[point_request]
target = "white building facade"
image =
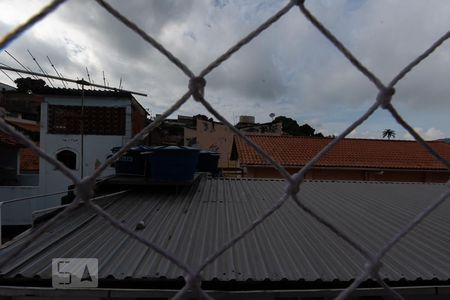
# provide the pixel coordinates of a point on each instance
(79, 129)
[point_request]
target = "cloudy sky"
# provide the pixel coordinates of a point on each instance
(289, 70)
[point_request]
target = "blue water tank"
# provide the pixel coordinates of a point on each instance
(208, 161)
(134, 162)
(173, 163)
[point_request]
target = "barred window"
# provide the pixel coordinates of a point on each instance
(63, 119)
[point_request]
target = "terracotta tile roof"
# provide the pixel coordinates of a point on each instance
(357, 153)
(29, 161)
(25, 126)
(7, 140)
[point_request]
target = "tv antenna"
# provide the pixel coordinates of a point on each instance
(82, 82)
(17, 61)
(40, 68)
(57, 73)
(8, 76)
(20, 75)
(104, 79)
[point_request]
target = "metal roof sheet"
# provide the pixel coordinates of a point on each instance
(193, 222)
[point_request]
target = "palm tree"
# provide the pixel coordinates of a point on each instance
(388, 133)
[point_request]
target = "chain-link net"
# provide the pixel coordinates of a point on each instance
(197, 83)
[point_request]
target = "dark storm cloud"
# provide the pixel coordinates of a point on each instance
(290, 69)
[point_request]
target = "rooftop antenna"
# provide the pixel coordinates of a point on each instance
(20, 75)
(71, 80)
(8, 76)
(104, 79)
(78, 79)
(35, 77)
(40, 68)
(57, 73)
(63, 79)
(120, 83)
(89, 76)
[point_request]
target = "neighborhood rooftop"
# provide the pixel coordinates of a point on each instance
(290, 246)
(353, 153)
(76, 92)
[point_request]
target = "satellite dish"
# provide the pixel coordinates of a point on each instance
(272, 115)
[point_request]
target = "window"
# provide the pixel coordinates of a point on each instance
(64, 119)
(68, 158)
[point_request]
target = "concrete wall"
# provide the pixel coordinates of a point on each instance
(363, 175)
(215, 137)
(96, 147)
(9, 157)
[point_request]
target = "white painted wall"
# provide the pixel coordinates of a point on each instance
(96, 147)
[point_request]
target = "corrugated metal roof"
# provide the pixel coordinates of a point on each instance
(76, 92)
(195, 221)
(87, 92)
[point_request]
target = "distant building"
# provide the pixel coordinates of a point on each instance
(212, 136)
(215, 136)
(171, 131)
(350, 159)
(247, 125)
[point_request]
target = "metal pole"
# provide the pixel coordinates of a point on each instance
(82, 130)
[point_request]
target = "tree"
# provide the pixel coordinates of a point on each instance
(291, 127)
(388, 133)
(29, 84)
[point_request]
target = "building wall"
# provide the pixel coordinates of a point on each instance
(96, 150)
(190, 137)
(139, 120)
(13, 186)
(364, 175)
(96, 147)
(9, 158)
(215, 137)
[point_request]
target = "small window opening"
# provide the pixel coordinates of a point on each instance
(68, 158)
